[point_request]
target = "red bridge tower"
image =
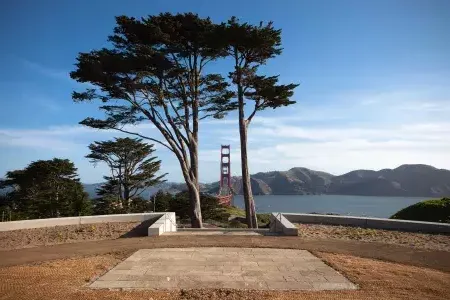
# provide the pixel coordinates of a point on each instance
(225, 192)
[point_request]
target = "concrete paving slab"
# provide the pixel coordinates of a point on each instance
(229, 268)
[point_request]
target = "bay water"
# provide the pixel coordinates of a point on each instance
(361, 206)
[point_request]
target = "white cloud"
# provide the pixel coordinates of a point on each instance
(372, 131)
(63, 137)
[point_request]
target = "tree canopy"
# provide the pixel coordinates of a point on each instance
(132, 168)
(156, 71)
(46, 188)
(249, 47)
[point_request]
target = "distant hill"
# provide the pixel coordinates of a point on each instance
(170, 187)
(406, 180)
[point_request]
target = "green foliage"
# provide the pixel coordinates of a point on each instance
(437, 210)
(162, 201)
(106, 205)
(45, 189)
(81, 202)
(180, 205)
(140, 205)
(236, 224)
(235, 211)
(251, 46)
(263, 220)
(132, 169)
(211, 209)
(157, 70)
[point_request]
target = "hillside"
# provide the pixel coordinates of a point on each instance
(406, 180)
(170, 187)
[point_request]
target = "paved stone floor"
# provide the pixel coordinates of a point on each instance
(233, 268)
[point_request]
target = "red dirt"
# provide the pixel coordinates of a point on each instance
(434, 259)
(67, 279)
(26, 238)
(409, 239)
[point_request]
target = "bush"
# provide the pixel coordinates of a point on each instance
(162, 201)
(429, 211)
(237, 224)
(211, 209)
(263, 220)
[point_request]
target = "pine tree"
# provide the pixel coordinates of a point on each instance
(46, 189)
(249, 47)
(132, 168)
(161, 201)
(156, 71)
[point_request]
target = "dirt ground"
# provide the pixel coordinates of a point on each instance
(434, 259)
(409, 239)
(26, 238)
(67, 279)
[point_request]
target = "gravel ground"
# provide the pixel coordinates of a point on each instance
(410, 239)
(26, 238)
(67, 279)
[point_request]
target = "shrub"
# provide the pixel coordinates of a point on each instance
(437, 210)
(237, 224)
(263, 220)
(211, 209)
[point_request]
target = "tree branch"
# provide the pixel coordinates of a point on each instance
(142, 136)
(257, 106)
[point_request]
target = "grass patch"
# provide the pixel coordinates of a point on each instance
(436, 210)
(234, 217)
(236, 211)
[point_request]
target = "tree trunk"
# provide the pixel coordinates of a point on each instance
(196, 212)
(246, 185)
(126, 199)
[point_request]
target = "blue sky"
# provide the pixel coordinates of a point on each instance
(374, 77)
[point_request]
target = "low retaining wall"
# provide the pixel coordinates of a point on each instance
(164, 222)
(282, 222)
(279, 224)
(257, 230)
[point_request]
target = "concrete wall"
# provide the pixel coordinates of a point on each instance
(375, 223)
(280, 224)
(164, 222)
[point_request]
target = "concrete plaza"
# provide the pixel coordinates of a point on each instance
(231, 268)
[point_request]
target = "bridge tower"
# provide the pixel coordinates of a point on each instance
(225, 192)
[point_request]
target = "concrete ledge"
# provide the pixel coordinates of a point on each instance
(164, 222)
(259, 230)
(279, 224)
(119, 218)
(375, 223)
(326, 219)
(38, 223)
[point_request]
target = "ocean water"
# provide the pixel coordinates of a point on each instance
(367, 206)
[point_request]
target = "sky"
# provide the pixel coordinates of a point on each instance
(374, 84)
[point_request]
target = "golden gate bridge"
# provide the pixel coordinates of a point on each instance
(225, 194)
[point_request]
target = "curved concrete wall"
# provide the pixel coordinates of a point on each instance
(282, 222)
(163, 222)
